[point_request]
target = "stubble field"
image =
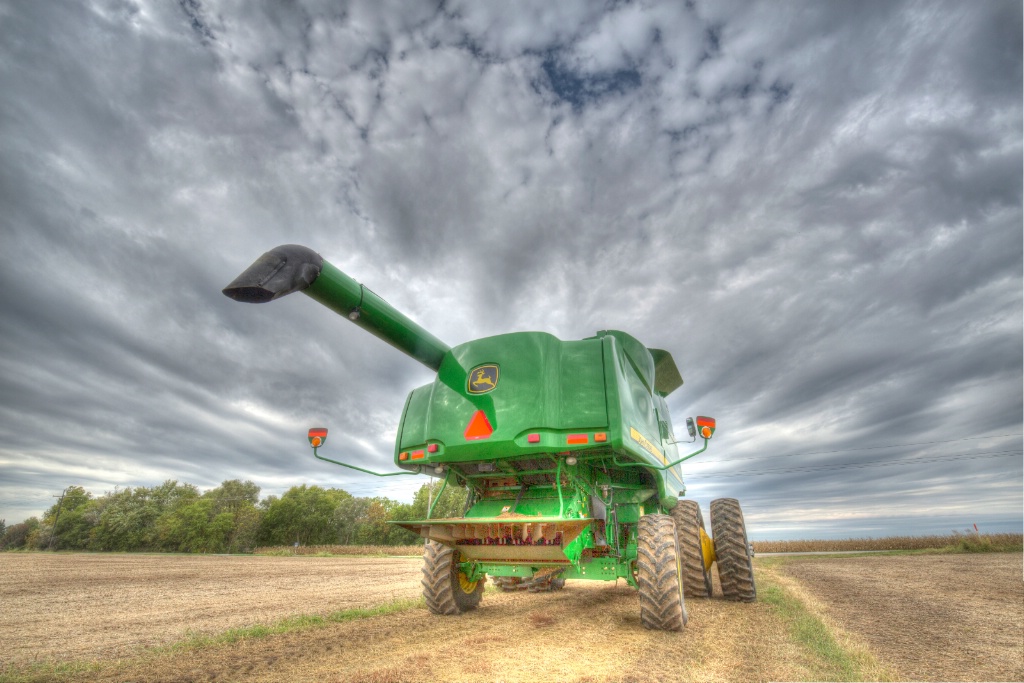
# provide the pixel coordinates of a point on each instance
(937, 617)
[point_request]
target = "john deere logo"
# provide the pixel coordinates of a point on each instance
(483, 379)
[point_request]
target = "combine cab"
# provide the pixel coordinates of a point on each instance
(565, 448)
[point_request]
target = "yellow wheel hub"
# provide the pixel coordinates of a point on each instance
(465, 584)
(707, 547)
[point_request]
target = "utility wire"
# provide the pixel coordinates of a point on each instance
(846, 466)
(861, 448)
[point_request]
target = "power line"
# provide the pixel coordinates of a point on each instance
(861, 448)
(852, 465)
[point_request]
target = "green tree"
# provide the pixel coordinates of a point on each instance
(451, 504)
(195, 526)
(304, 514)
(17, 536)
(245, 530)
(66, 526)
(128, 518)
(233, 495)
(349, 518)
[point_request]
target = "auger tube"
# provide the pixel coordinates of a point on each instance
(294, 268)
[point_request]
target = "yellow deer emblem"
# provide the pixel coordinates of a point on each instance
(483, 379)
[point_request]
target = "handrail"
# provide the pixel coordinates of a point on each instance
(656, 467)
(376, 474)
(430, 511)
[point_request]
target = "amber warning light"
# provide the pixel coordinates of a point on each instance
(705, 426)
(317, 436)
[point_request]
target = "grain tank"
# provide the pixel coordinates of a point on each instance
(566, 451)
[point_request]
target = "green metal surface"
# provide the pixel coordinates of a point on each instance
(562, 445)
(340, 293)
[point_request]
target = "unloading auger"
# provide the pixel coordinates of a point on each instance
(565, 448)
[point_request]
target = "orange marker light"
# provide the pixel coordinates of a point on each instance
(317, 436)
(705, 426)
(403, 456)
(479, 427)
(600, 437)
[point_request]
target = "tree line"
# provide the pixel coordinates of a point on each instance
(231, 518)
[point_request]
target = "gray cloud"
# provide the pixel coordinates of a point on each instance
(815, 207)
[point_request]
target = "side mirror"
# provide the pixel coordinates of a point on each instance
(690, 428)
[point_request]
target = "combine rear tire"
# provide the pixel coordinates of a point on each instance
(689, 523)
(735, 563)
(659, 574)
(446, 589)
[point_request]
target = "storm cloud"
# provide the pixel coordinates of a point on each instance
(815, 207)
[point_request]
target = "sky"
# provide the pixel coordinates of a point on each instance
(816, 207)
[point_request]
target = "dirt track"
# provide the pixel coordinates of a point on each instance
(97, 607)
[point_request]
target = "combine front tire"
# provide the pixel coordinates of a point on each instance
(446, 589)
(735, 563)
(659, 574)
(689, 525)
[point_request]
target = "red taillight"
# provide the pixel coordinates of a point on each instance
(533, 438)
(577, 439)
(432, 448)
(418, 455)
(479, 427)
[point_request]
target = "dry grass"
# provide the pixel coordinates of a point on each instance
(959, 542)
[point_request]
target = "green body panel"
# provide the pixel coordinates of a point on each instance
(571, 441)
(551, 388)
(545, 386)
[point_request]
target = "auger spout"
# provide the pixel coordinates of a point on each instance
(294, 268)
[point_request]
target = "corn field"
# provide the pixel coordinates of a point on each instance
(966, 542)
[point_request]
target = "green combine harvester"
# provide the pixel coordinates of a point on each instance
(565, 448)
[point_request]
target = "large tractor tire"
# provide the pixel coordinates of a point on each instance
(689, 524)
(659, 574)
(446, 589)
(732, 551)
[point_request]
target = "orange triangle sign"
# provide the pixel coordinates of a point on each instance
(478, 427)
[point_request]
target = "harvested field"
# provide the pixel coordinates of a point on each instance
(928, 617)
(102, 608)
(85, 606)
